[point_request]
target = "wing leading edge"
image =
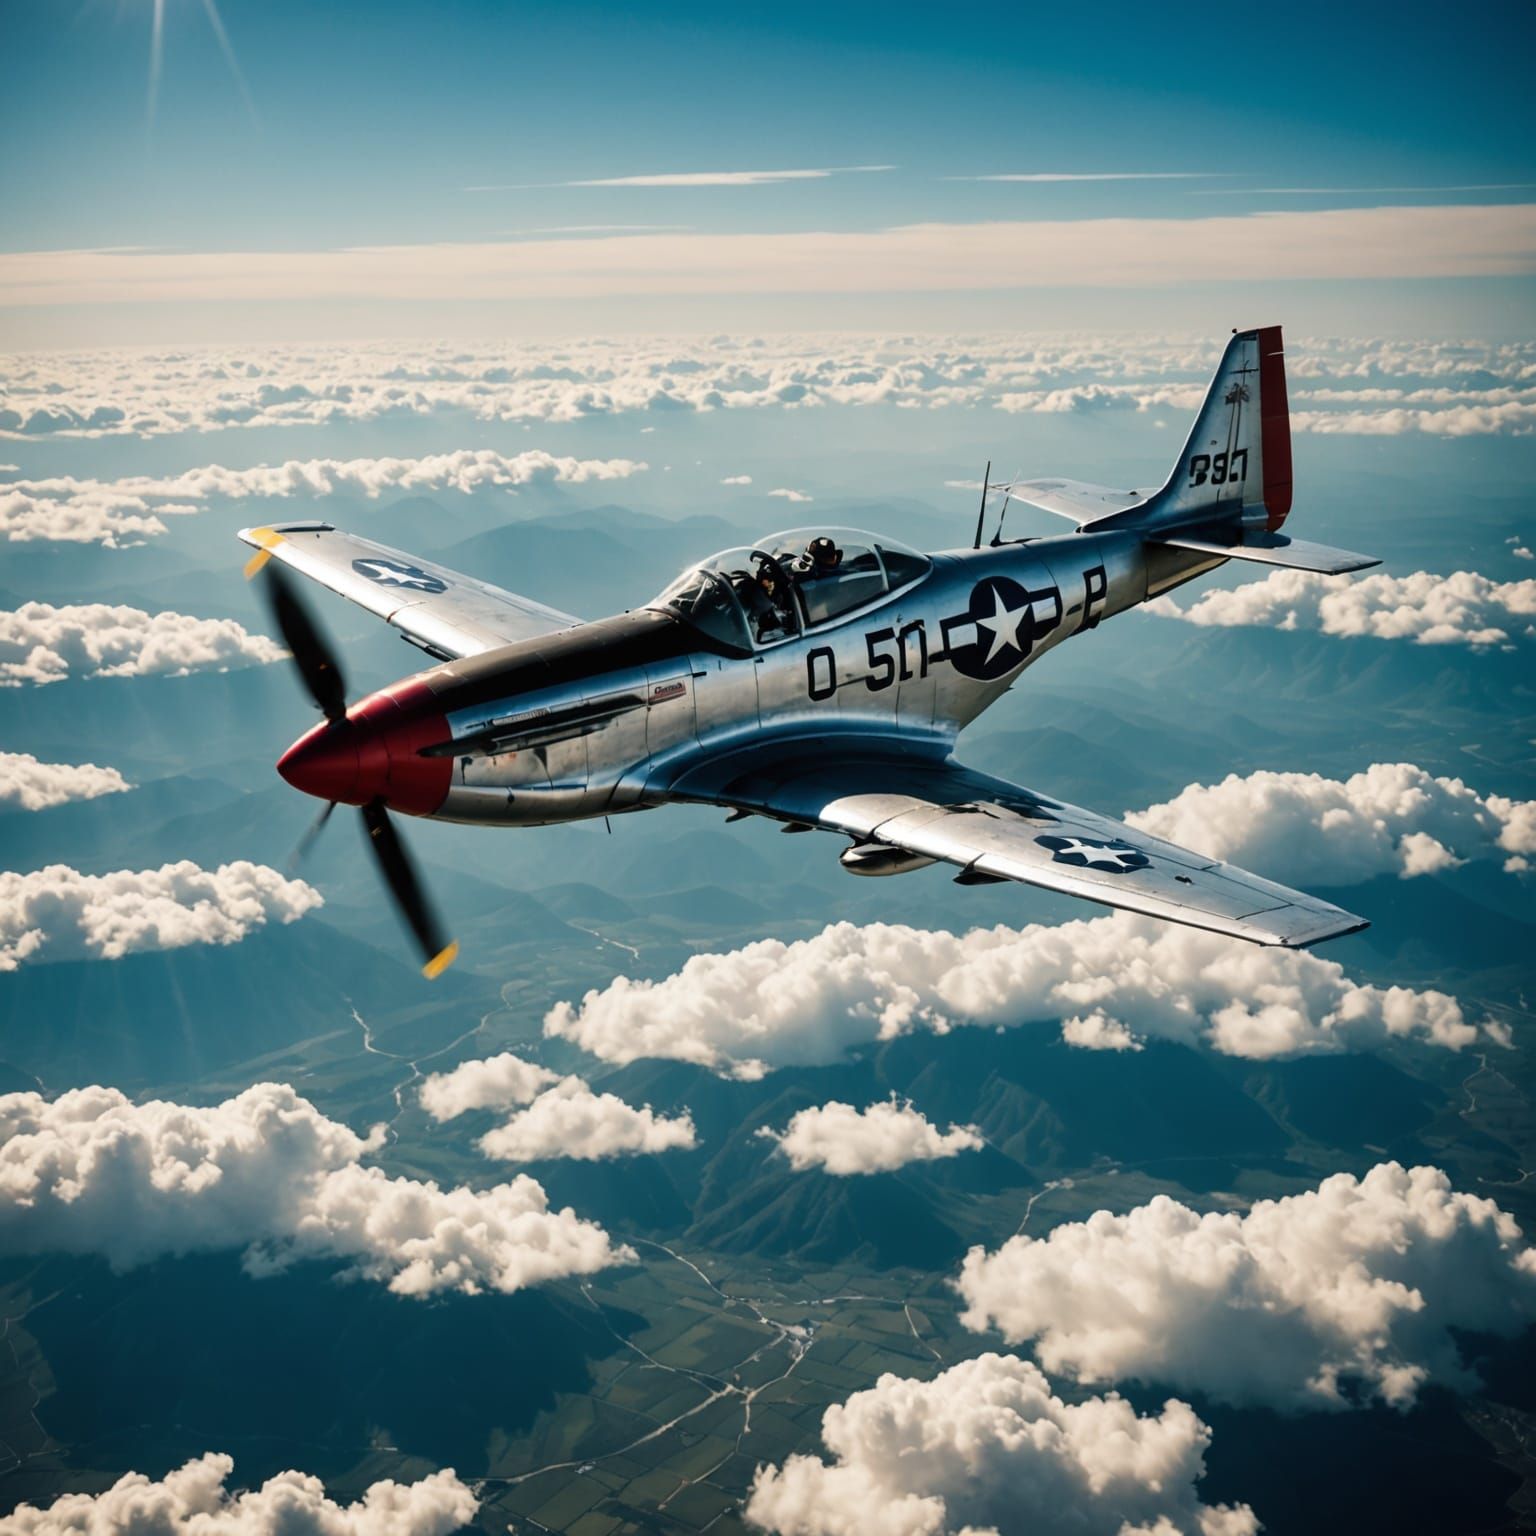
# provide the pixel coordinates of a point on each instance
(992, 829)
(446, 614)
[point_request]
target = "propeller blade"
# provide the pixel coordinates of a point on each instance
(312, 652)
(311, 835)
(438, 952)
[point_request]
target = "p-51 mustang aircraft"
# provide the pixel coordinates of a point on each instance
(819, 677)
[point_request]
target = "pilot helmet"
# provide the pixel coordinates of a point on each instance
(823, 551)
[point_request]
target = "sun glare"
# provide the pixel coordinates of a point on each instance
(157, 57)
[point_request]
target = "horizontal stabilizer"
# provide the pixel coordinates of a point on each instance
(1271, 549)
(1074, 499)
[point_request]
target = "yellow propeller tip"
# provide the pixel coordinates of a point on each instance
(440, 961)
(255, 563)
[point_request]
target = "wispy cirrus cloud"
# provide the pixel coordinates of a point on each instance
(1373, 244)
(1474, 186)
(1049, 176)
(697, 178)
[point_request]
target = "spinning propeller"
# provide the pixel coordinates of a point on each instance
(326, 762)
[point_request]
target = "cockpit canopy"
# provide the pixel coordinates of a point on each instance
(765, 593)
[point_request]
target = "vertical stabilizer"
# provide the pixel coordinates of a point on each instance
(1236, 464)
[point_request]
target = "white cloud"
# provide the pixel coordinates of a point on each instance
(569, 1120)
(1463, 608)
(1393, 818)
(1096, 1031)
(93, 1173)
(35, 786)
(1077, 398)
(128, 510)
(1460, 421)
(497, 1082)
(987, 1447)
(784, 494)
(206, 390)
(842, 1140)
(1375, 244)
(194, 1501)
(40, 643)
(1049, 176)
(59, 914)
(1347, 1292)
(563, 1117)
(725, 178)
(771, 1004)
(737, 480)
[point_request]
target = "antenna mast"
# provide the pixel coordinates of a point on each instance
(997, 538)
(981, 511)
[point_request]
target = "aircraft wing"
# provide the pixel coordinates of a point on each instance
(446, 614)
(994, 830)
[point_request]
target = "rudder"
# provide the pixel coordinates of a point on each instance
(1236, 463)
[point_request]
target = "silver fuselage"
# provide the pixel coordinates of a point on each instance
(608, 715)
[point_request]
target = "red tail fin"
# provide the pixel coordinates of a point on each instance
(1275, 413)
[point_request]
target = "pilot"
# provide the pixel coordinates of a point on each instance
(821, 558)
(766, 603)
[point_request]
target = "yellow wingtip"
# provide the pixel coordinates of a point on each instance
(440, 961)
(268, 539)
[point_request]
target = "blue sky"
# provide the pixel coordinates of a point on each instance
(364, 126)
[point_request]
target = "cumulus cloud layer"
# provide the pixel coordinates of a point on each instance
(563, 1118)
(59, 914)
(125, 511)
(1460, 609)
(1393, 818)
(772, 1004)
(29, 785)
(1339, 384)
(987, 1447)
(1348, 1291)
(40, 643)
(842, 1140)
(496, 1082)
(569, 1120)
(93, 1173)
(194, 1501)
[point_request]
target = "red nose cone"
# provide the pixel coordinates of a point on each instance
(324, 763)
(375, 753)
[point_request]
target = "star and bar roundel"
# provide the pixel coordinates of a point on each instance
(398, 573)
(999, 628)
(1109, 855)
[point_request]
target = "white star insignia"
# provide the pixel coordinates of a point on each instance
(1004, 625)
(1101, 857)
